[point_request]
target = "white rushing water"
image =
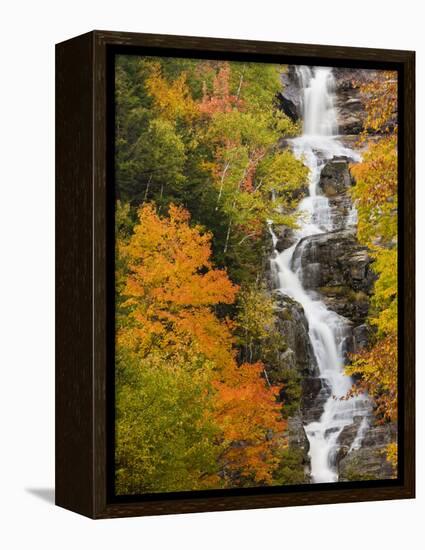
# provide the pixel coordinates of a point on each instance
(327, 330)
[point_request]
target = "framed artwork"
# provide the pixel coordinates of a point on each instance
(235, 274)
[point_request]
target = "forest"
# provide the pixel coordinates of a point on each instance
(206, 389)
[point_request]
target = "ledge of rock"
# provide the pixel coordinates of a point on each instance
(369, 462)
(339, 268)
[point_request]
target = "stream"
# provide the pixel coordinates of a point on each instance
(328, 331)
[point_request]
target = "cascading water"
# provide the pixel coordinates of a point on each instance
(327, 329)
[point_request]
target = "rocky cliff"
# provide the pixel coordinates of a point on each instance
(351, 114)
(336, 268)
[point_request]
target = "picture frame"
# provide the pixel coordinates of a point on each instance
(85, 287)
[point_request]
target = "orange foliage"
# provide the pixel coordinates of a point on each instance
(169, 291)
(221, 100)
(378, 369)
(171, 287)
(255, 157)
(250, 417)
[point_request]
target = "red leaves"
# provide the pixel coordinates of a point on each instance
(220, 101)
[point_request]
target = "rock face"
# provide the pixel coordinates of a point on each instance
(299, 357)
(339, 268)
(315, 393)
(369, 461)
(296, 436)
(351, 114)
(290, 98)
(292, 324)
(335, 183)
(297, 365)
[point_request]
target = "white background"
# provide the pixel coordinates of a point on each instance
(29, 30)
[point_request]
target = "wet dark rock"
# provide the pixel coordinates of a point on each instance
(289, 99)
(347, 437)
(296, 435)
(348, 433)
(351, 113)
(361, 336)
(289, 107)
(335, 177)
(380, 435)
(315, 393)
(341, 210)
(292, 324)
(339, 268)
(369, 461)
(285, 238)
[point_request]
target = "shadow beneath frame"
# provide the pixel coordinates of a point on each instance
(43, 493)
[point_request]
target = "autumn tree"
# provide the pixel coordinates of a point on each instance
(249, 415)
(166, 436)
(375, 194)
(252, 176)
(170, 340)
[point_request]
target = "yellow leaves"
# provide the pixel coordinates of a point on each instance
(255, 314)
(380, 98)
(392, 454)
(378, 370)
(375, 191)
(385, 291)
(172, 99)
(213, 336)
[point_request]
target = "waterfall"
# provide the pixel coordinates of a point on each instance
(327, 329)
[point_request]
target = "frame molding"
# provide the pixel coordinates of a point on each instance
(81, 266)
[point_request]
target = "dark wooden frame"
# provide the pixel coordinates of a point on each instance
(81, 268)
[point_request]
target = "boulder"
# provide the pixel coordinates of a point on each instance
(335, 177)
(285, 238)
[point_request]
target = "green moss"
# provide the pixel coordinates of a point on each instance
(334, 290)
(286, 315)
(291, 468)
(355, 473)
(359, 296)
(290, 392)
(344, 292)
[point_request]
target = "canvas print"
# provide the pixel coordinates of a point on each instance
(255, 274)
